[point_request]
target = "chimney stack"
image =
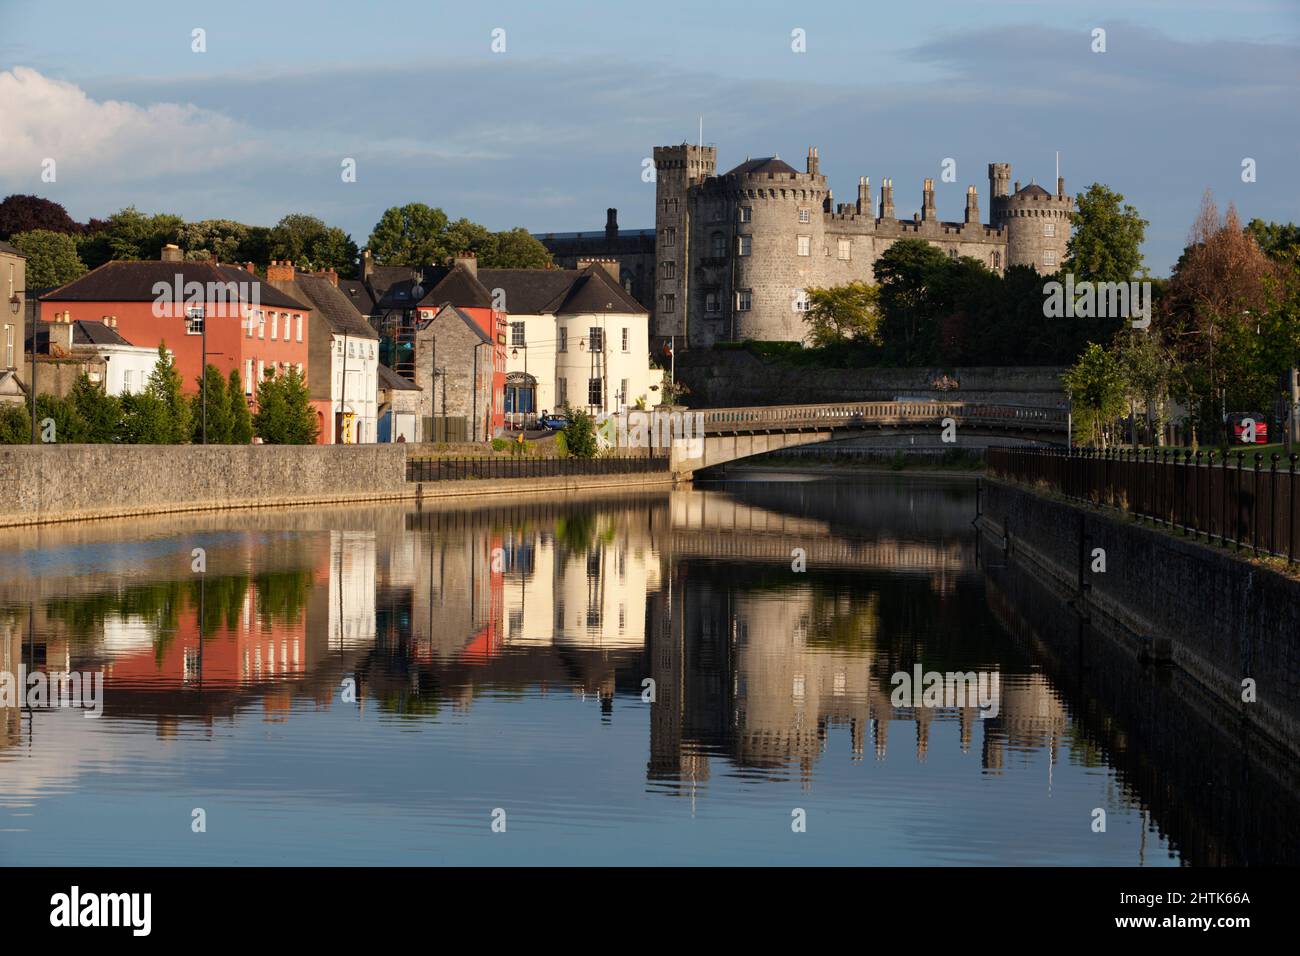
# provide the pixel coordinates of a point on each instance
(251, 267)
(972, 205)
(330, 275)
(886, 199)
(927, 201)
(611, 223)
(61, 335)
(171, 253)
(1060, 187)
(367, 265)
(279, 271)
(814, 162)
(609, 265)
(467, 259)
(864, 196)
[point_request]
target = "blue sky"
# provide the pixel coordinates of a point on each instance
(553, 130)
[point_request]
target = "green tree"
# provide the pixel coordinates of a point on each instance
(410, 235)
(284, 413)
(241, 419)
(15, 424)
(51, 257)
(219, 422)
(68, 427)
(165, 385)
(843, 312)
(580, 433)
(911, 277)
(514, 249)
(100, 413)
(1278, 241)
(129, 234)
(146, 420)
(217, 239)
(310, 243)
(1105, 239)
(1098, 390)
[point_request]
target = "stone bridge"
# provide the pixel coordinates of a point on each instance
(730, 434)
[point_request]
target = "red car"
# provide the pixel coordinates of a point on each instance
(1239, 423)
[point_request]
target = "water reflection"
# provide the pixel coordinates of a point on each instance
(475, 625)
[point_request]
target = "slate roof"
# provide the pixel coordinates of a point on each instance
(133, 281)
(84, 332)
(12, 250)
(333, 306)
(594, 291)
(1033, 189)
(529, 291)
(391, 380)
(456, 285)
(358, 294)
(447, 306)
(764, 164)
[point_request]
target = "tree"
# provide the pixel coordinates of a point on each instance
(165, 385)
(1148, 370)
(843, 312)
(218, 239)
(514, 249)
(1106, 238)
(241, 419)
(129, 234)
(51, 257)
(1277, 241)
(15, 424)
(219, 423)
(910, 274)
(100, 413)
(1097, 391)
(410, 235)
(22, 213)
(308, 242)
(580, 433)
(68, 428)
(146, 420)
(284, 413)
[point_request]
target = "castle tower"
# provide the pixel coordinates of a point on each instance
(1037, 222)
(677, 169)
(928, 213)
(886, 199)
(972, 205)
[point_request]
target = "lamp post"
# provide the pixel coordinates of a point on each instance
(196, 313)
(514, 353)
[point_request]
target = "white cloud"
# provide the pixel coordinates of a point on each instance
(109, 141)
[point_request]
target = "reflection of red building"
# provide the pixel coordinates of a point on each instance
(257, 649)
(486, 642)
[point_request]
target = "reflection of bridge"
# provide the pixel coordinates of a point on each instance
(733, 433)
(825, 552)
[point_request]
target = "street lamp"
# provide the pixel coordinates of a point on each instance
(192, 315)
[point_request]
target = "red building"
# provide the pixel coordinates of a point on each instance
(251, 326)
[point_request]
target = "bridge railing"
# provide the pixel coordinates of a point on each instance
(1222, 498)
(810, 416)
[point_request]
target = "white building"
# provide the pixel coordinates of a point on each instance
(576, 338)
(109, 359)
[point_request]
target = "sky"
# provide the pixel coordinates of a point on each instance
(552, 126)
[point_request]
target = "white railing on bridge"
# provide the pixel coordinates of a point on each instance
(780, 417)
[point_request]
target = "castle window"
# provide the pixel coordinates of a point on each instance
(805, 245)
(668, 305)
(845, 249)
(1049, 229)
(712, 302)
(1049, 259)
(997, 260)
(717, 245)
(743, 244)
(744, 299)
(800, 300)
(952, 253)
(805, 215)
(670, 269)
(670, 236)
(746, 213)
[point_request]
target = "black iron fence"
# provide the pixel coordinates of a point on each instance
(459, 469)
(1240, 499)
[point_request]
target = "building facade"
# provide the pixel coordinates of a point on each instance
(13, 283)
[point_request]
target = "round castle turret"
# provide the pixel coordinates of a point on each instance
(1036, 221)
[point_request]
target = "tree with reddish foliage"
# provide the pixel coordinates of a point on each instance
(19, 213)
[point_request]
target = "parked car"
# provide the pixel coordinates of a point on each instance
(1238, 422)
(553, 422)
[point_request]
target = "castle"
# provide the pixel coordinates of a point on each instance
(734, 254)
